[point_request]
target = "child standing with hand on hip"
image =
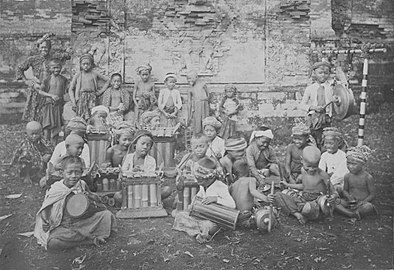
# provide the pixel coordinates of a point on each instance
(83, 89)
(53, 89)
(144, 92)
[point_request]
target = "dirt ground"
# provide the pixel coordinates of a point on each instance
(152, 244)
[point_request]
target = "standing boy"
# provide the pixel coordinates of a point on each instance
(316, 101)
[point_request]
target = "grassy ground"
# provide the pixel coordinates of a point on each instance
(152, 244)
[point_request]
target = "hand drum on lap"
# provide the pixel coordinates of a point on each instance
(80, 206)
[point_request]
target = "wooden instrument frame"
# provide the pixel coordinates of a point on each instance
(141, 211)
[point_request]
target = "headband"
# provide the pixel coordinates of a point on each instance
(211, 121)
(100, 108)
(235, 144)
(259, 133)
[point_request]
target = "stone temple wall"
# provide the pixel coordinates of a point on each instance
(264, 47)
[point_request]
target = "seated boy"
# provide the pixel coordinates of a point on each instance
(74, 146)
(199, 143)
(314, 184)
(75, 126)
(300, 135)
(32, 154)
(359, 188)
(211, 191)
(116, 153)
(56, 229)
(260, 156)
(116, 99)
(140, 161)
(98, 121)
(244, 191)
(333, 161)
(235, 149)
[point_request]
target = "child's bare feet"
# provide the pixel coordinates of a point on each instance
(301, 219)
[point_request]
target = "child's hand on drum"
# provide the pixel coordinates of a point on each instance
(210, 199)
(271, 198)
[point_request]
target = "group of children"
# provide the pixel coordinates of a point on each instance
(229, 170)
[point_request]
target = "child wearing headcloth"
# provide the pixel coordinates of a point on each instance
(211, 191)
(314, 184)
(32, 155)
(83, 89)
(169, 102)
(53, 89)
(98, 121)
(211, 128)
(140, 161)
(260, 155)
(116, 99)
(316, 99)
(76, 125)
(359, 187)
(333, 161)
(235, 150)
(124, 136)
(229, 108)
(300, 135)
(144, 92)
(150, 120)
(198, 102)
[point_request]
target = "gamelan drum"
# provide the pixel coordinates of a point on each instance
(79, 205)
(346, 105)
(261, 218)
(219, 214)
(324, 205)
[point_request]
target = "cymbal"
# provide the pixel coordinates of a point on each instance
(347, 105)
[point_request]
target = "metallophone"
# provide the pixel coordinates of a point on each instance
(108, 183)
(164, 148)
(141, 196)
(187, 187)
(98, 142)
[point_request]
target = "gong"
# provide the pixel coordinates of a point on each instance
(346, 105)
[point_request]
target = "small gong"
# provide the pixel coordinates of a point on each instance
(346, 105)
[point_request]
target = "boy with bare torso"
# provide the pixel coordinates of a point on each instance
(244, 191)
(117, 99)
(116, 153)
(314, 184)
(359, 188)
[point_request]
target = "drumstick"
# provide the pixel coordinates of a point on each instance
(270, 212)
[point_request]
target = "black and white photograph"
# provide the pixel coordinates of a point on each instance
(196, 134)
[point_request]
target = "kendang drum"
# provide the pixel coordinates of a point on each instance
(187, 188)
(141, 196)
(261, 218)
(80, 206)
(221, 215)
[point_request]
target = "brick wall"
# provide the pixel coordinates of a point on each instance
(21, 24)
(265, 47)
